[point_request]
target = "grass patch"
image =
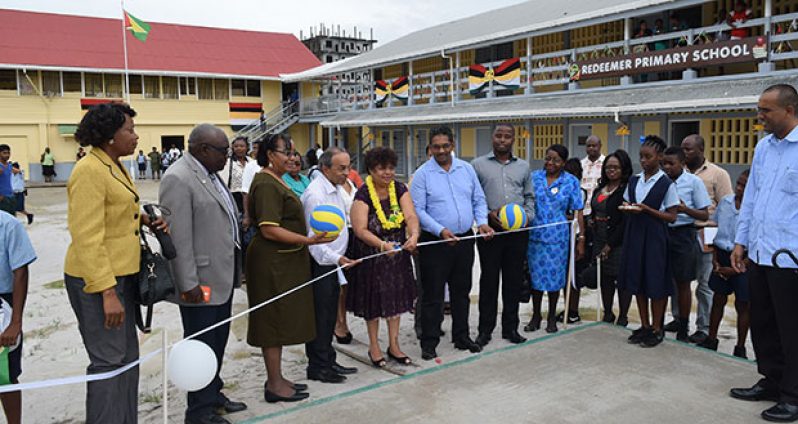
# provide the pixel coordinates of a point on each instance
(44, 332)
(57, 284)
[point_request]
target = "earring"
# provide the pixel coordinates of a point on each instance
(111, 142)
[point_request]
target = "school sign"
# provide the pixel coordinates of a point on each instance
(745, 50)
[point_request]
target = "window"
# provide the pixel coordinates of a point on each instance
(94, 84)
(152, 87)
(71, 82)
(221, 89)
(113, 85)
(329, 59)
(187, 86)
(328, 44)
(134, 84)
(8, 79)
(29, 83)
(169, 87)
(253, 88)
(205, 88)
(51, 83)
(238, 87)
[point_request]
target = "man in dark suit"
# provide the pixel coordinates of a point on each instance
(204, 228)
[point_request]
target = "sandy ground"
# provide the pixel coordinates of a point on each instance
(53, 347)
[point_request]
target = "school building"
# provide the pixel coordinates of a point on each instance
(53, 67)
(561, 71)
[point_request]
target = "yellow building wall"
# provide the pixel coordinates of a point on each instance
(602, 131)
(30, 123)
(468, 142)
(652, 128)
(300, 134)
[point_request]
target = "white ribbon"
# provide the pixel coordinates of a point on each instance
(111, 374)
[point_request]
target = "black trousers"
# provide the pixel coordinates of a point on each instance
(502, 255)
(774, 327)
(320, 352)
(196, 318)
(442, 263)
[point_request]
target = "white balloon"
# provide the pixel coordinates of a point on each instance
(191, 365)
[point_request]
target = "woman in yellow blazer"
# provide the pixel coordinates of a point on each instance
(103, 259)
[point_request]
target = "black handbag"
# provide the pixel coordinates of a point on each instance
(155, 283)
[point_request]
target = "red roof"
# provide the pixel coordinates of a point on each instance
(45, 39)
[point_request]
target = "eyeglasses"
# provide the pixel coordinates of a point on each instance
(285, 152)
(227, 151)
(437, 147)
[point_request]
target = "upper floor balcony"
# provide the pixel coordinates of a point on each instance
(757, 46)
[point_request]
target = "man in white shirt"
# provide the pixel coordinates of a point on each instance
(591, 168)
(334, 165)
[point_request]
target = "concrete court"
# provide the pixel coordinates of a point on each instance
(610, 382)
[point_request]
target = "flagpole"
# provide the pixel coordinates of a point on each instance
(126, 87)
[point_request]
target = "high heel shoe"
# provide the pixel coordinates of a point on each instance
(404, 360)
(274, 398)
(379, 363)
(534, 324)
(347, 339)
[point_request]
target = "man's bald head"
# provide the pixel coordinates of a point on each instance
(208, 144)
(693, 147)
(593, 147)
(204, 133)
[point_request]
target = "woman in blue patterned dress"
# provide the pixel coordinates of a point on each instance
(556, 193)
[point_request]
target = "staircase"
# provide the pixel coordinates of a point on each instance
(277, 120)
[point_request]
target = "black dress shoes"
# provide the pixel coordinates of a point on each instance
(230, 406)
(340, 369)
(754, 393)
(274, 398)
(671, 327)
(513, 338)
(467, 344)
(326, 376)
(483, 339)
(428, 354)
(783, 412)
(698, 337)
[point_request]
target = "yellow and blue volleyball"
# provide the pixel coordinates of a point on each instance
(328, 219)
(512, 216)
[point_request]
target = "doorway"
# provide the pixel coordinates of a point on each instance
(169, 141)
(681, 129)
(577, 139)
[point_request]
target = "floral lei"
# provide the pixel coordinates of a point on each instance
(397, 217)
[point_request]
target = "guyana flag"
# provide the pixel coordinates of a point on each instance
(398, 88)
(138, 28)
(507, 75)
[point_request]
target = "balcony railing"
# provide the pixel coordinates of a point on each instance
(550, 69)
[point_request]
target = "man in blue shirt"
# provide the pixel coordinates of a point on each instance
(16, 253)
(768, 222)
(683, 245)
(7, 202)
(448, 200)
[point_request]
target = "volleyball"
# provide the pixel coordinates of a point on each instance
(327, 219)
(512, 216)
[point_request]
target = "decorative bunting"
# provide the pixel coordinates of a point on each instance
(399, 88)
(507, 75)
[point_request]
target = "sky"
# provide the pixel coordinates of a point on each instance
(390, 19)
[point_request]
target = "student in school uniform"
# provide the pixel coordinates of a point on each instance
(683, 247)
(651, 202)
(725, 280)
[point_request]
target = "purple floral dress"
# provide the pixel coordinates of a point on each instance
(383, 287)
